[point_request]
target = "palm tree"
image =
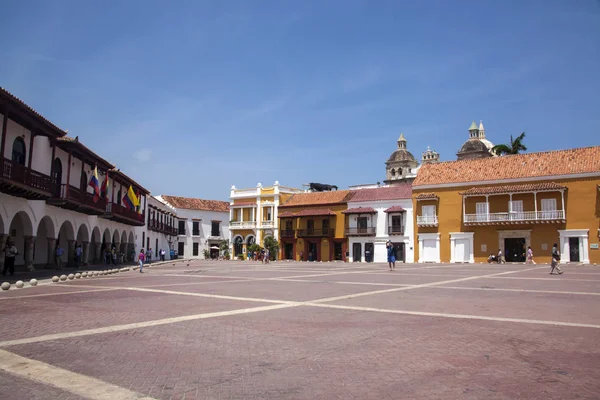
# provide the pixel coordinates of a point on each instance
(515, 146)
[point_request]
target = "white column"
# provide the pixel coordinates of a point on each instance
(452, 244)
(562, 197)
(487, 206)
(464, 213)
(241, 211)
(420, 250)
(583, 250)
(231, 211)
(535, 204)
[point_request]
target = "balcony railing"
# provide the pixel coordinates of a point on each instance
(72, 197)
(395, 230)
(427, 220)
(157, 226)
(267, 224)
(287, 233)
(23, 176)
(316, 232)
(116, 210)
(369, 231)
(242, 225)
(513, 217)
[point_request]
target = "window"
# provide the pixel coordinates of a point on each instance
(397, 224)
(428, 214)
(393, 172)
(481, 210)
(289, 225)
(215, 229)
(516, 206)
(18, 151)
(196, 228)
(325, 226)
(310, 226)
(84, 182)
(195, 249)
(549, 209)
(182, 227)
(238, 245)
(180, 249)
(361, 224)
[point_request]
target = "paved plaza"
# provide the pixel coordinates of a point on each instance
(244, 330)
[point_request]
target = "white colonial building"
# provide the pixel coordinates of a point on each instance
(162, 227)
(45, 197)
(201, 225)
(376, 216)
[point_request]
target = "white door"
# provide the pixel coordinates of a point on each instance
(429, 250)
(461, 250)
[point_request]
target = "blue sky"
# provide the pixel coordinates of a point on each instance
(193, 97)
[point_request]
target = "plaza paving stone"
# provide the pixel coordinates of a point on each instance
(14, 387)
(313, 351)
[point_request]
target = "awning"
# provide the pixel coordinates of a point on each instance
(394, 209)
(506, 189)
(360, 210)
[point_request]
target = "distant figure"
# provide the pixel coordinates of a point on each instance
(500, 259)
(149, 256)
(391, 256)
(162, 255)
(141, 258)
(555, 260)
(113, 255)
(78, 255)
(59, 254)
(10, 253)
(529, 256)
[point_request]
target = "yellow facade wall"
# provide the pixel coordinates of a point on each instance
(582, 210)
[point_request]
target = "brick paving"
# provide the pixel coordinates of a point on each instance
(300, 350)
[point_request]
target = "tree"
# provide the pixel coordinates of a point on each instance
(224, 247)
(514, 147)
(272, 245)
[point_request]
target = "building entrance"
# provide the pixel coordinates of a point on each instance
(356, 252)
(574, 249)
(514, 249)
(400, 252)
(289, 251)
(312, 252)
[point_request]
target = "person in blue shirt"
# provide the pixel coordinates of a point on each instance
(391, 255)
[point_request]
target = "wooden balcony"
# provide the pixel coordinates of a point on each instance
(427, 220)
(287, 233)
(18, 180)
(395, 230)
(370, 231)
(119, 213)
(156, 226)
(316, 232)
(519, 217)
(242, 225)
(72, 198)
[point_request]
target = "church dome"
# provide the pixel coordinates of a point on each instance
(477, 146)
(402, 155)
(472, 145)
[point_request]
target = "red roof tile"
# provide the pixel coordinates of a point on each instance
(314, 212)
(197, 204)
(427, 196)
(530, 165)
(20, 103)
(286, 214)
(360, 210)
(539, 187)
(401, 191)
(318, 198)
(394, 209)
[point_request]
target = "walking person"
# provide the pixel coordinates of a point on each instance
(162, 255)
(59, 254)
(555, 260)
(501, 259)
(114, 255)
(141, 258)
(529, 256)
(10, 253)
(391, 256)
(78, 254)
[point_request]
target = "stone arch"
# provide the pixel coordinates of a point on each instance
(66, 240)
(95, 248)
(20, 231)
(45, 242)
(238, 245)
(123, 245)
(124, 237)
(2, 225)
(250, 239)
(106, 237)
(116, 238)
(96, 238)
(83, 234)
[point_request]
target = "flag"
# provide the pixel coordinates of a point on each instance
(95, 184)
(104, 188)
(139, 197)
(130, 199)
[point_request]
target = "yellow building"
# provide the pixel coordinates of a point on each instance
(313, 226)
(253, 215)
(467, 210)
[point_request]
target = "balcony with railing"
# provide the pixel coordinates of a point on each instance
(427, 220)
(18, 180)
(73, 198)
(515, 217)
(366, 231)
(157, 226)
(242, 225)
(267, 224)
(396, 230)
(316, 232)
(287, 233)
(123, 214)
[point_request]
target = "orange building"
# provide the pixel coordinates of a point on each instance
(467, 210)
(312, 226)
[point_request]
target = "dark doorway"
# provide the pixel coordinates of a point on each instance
(289, 251)
(238, 246)
(337, 251)
(18, 151)
(312, 252)
(57, 176)
(356, 252)
(514, 249)
(400, 252)
(180, 249)
(574, 249)
(310, 227)
(369, 252)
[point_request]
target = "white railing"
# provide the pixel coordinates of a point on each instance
(242, 225)
(267, 224)
(244, 192)
(427, 220)
(515, 216)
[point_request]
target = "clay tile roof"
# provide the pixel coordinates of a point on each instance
(427, 196)
(539, 187)
(314, 212)
(20, 103)
(393, 209)
(530, 165)
(318, 198)
(402, 191)
(82, 150)
(286, 214)
(360, 210)
(197, 204)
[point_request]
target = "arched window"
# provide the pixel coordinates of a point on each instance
(18, 151)
(393, 172)
(238, 245)
(251, 240)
